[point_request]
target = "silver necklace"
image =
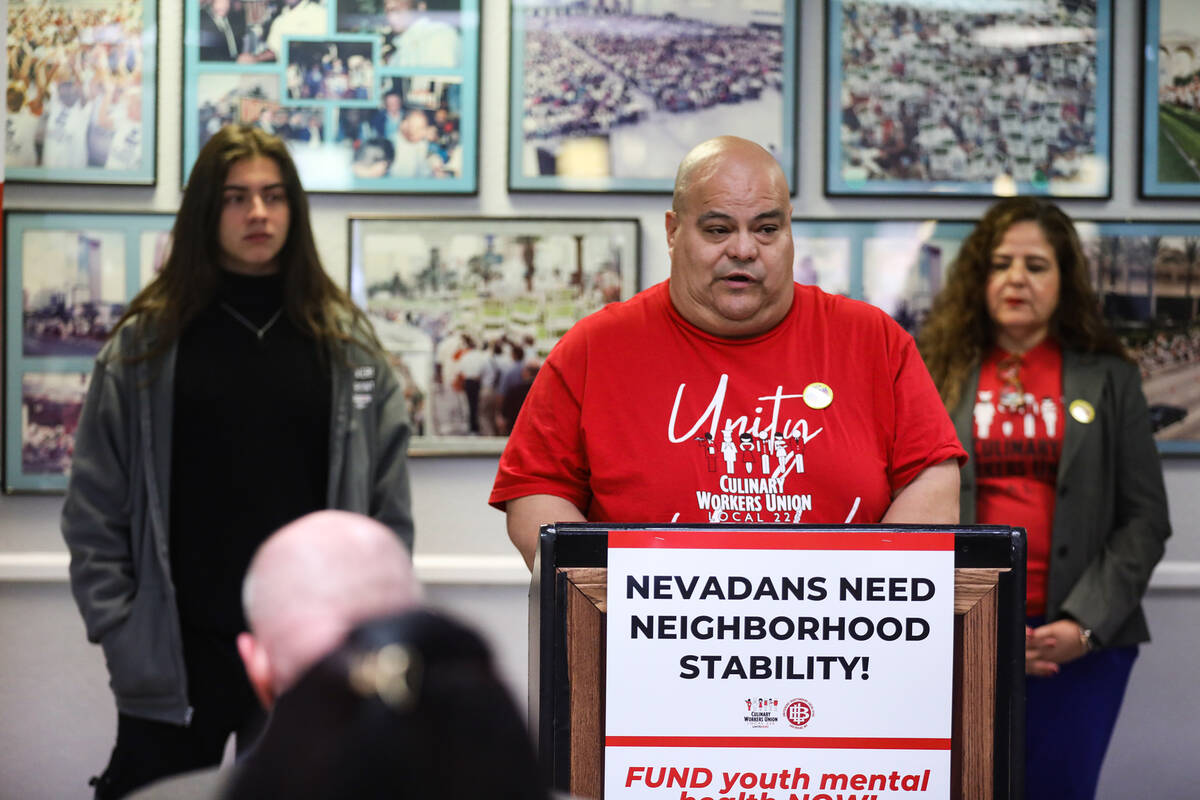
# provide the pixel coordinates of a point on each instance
(250, 326)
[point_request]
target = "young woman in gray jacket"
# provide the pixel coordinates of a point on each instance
(241, 390)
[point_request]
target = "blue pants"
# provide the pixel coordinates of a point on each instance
(1069, 720)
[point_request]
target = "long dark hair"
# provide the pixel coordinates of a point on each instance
(959, 329)
(191, 273)
(409, 706)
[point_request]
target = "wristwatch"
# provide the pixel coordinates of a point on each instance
(1085, 635)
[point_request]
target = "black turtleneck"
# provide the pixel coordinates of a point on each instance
(249, 447)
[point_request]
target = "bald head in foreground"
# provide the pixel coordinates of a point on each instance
(729, 393)
(309, 584)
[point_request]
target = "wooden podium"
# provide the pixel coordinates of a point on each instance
(567, 600)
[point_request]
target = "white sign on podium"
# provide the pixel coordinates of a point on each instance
(755, 665)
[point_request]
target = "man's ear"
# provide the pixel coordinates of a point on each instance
(672, 224)
(258, 667)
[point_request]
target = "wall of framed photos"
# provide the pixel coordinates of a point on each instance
(180, 67)
(462, 548)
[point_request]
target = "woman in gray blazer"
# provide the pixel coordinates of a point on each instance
(1051, 409)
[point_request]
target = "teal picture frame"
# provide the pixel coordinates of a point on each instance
(88, 115)
(660, 95)
(1170, 163)
(1023, 106)
(68, 277)
(342, 129)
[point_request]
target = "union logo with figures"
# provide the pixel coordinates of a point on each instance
(761, 712)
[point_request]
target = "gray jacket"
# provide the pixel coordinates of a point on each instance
(1110, 516)
(115, 516)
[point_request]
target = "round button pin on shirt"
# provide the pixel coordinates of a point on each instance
(1082, 411)
(818, 395)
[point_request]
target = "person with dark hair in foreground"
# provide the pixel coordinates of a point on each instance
(1051, 407)
(240, 390)
(410, 706)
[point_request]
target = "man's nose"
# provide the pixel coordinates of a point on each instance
(742, 246)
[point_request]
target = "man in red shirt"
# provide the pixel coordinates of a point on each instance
(729, 351)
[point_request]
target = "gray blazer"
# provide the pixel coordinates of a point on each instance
(1110, 516)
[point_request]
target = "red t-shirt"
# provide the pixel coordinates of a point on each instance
(1018, 440)
(639, 416)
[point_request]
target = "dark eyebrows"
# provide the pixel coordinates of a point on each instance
(709, 216)
(1028, 257)
(239, 187)
(774, 215)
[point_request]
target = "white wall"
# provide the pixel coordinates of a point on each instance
(56, 718)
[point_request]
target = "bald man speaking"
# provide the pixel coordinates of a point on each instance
(729, 393)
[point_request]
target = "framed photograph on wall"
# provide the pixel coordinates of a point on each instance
(369, 95)
(898, 265)
(68, 278)
(604, 98)
(952, 99)
(1147, 275)
(82, 85)
(469, 308)
(1171, 100)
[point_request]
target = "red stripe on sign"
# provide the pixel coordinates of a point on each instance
(808, 742)
(784, 540)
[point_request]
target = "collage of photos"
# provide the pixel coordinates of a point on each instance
(369, 95)
(970, 100)
(605, 95)
(81, 91)
(68, 279)
(469, 308)
(610, 96)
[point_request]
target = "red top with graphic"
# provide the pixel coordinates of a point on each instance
(639, 416)
(1018, 439)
